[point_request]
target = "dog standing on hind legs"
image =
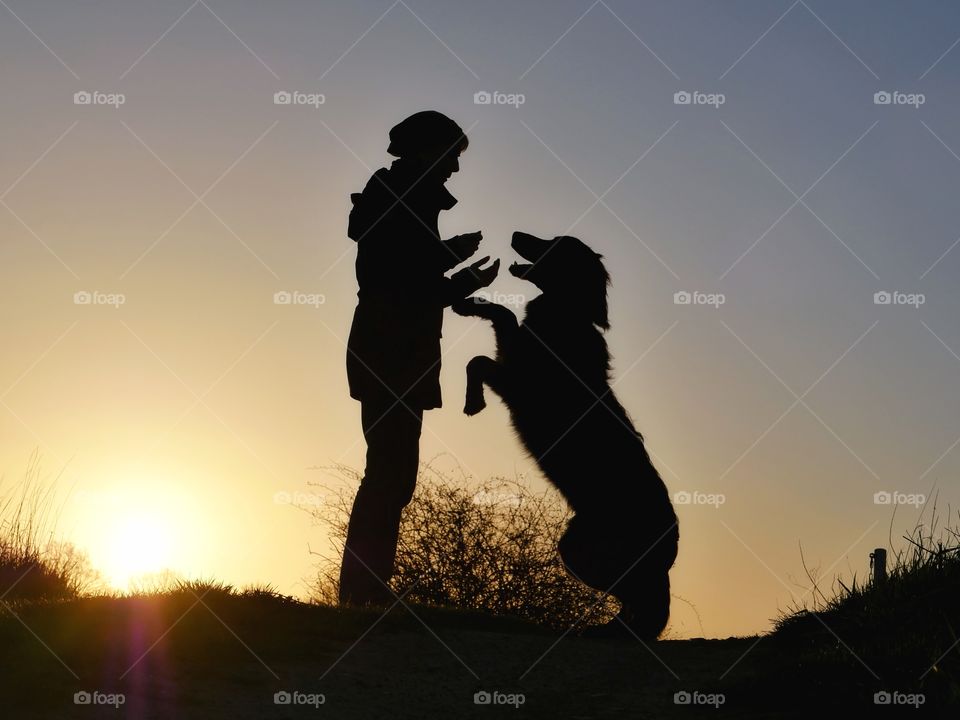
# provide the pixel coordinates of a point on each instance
(553, 373)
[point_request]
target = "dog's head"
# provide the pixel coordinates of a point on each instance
(565, 266)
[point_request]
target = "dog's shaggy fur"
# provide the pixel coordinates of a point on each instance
(553, 373)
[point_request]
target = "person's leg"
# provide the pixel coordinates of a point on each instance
(390, 476)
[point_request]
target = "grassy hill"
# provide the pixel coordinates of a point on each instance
(205, 651)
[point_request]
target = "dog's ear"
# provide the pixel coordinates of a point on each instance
(597, 299)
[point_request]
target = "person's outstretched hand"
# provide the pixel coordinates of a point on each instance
(476, 276)
(464, 246)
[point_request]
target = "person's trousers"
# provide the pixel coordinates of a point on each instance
(392, 433)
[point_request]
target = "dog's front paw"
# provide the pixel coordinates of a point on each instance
(475, 403)
(469, 307)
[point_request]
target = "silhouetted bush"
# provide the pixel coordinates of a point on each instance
(489, 546)
(33, 564)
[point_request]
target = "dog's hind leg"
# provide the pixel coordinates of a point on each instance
(638, 580)
(584, 554)
(480, 370)
(646, 608)
(644, 588)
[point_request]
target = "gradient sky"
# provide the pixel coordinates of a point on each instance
(182, 413)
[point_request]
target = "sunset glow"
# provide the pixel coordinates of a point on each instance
(139, 544)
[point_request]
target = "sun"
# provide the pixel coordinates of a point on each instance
(138, 543)
(143, 531)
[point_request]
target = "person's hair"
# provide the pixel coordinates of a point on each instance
(425, 131)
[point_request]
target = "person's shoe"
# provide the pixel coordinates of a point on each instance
(378, 596)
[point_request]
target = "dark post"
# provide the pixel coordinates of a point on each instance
(878, 561)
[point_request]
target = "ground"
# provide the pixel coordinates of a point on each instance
(190, 655)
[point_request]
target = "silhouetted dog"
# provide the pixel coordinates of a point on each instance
(553, 373)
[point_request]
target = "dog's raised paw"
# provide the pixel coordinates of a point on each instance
(474, 405)
(465, 307)
(471, 306)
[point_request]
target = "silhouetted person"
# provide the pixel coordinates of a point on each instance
(393, 355)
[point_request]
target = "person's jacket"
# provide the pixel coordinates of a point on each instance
(394, 346)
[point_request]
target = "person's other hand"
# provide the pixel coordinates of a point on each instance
(464, 246)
